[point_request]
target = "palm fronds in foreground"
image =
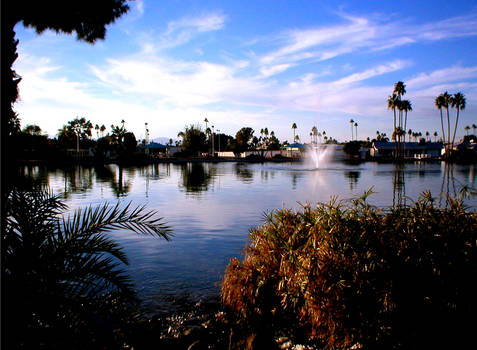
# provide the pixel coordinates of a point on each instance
(65, 275)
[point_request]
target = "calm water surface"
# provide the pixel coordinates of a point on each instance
(212, 206)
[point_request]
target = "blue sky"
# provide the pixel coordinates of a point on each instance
(257, 64)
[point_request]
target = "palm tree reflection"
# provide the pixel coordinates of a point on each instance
(352, 177)
(115, 177)
(399, 186)
(196, 177)
(243, 172)
(77, 179)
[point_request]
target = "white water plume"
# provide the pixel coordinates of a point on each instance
(318, 156)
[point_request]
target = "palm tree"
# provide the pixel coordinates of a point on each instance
(458, 102)
(409, 133)
(63, 272)
(467, 128)
(352, 123)
(435, 136)
(102, 129)
(392, 104)
(427, 136)
(356, 134)
(400, 90)
(406, 106)
(446, 99)
(96, 127)
(473, 128)
(294, 127)
(311, 138)
(439, 103)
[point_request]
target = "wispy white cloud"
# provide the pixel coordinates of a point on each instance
(269, 71)
(360, 33)
(182, 31)
(369, 73)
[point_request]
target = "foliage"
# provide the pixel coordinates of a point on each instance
(194, 139)
(63, 276)
(243, 138)
(78, 127)
(88, 19)
(347, 274)
(352, 148)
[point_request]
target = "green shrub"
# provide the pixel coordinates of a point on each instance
(349, 274)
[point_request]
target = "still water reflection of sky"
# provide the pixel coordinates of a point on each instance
(212, 206)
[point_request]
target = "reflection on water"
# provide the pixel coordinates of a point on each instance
(243, 172)
(196, 177)
(212, 206)
(353, 177)
(399, 184)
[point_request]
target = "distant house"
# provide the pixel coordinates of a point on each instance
(154, 149)
(172, 150)
(293, 150)
(415, 150)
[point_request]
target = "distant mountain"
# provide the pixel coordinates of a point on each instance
(162, 140)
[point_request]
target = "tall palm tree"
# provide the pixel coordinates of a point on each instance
(458, 102)
(446, 99)
(439, 103)
(427, 136)
(473, 128)
(467, 128)
(406, 106)
(356, 134)
(352, 124)
(400, 88)
(392, 104)
(400, 91)
(435, 136)
(294, 128)
(96, 127)
(102, 129)
(409, 133)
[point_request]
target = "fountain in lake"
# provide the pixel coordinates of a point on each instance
(318, 156)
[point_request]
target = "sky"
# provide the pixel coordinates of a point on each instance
(255, 64)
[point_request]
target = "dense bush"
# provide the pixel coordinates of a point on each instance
(348, 274)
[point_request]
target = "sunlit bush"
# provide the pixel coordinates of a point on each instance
(349, 274)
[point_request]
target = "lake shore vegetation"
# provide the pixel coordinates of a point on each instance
(346, 274)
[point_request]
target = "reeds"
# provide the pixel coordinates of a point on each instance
(346, 273)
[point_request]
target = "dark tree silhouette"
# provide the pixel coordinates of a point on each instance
(87, 18)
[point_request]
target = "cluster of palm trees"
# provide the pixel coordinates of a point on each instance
(467, 128)
(396, 103)
(315, 135)
(446, 101)
(99, 129)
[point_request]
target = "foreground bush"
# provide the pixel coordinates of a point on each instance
(348, 274)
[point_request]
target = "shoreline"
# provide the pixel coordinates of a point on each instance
(23, 162)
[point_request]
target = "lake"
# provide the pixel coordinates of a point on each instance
(211, 207)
